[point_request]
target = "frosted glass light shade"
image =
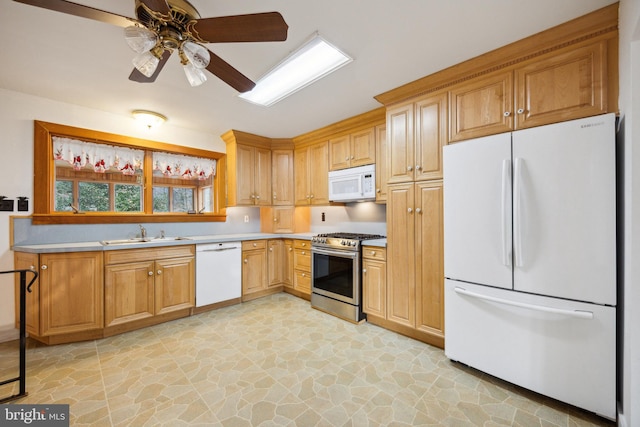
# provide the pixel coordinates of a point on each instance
(146, 63)
(148, 118)
(197, 54)
(309, 63)
(140, 39)
(195, 75)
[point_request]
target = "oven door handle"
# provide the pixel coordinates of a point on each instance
(342, 254)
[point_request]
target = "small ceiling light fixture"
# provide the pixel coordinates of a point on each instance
(150, 119)
(309, 63)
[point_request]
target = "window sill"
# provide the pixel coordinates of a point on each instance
(110, 218)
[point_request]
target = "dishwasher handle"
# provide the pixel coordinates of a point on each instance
(219, 249)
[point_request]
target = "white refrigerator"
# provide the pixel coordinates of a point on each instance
(530, 259)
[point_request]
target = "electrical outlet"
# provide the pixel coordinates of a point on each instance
(246, 218)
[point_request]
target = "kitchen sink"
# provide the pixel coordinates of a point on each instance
(141, 240)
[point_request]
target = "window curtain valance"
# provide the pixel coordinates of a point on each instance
(186, 167)
(101, 157)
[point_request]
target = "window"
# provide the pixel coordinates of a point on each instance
(113, 178)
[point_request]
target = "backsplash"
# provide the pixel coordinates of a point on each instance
(360, 217)
(25, 233)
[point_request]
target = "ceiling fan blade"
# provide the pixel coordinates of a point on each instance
(137, 76)
(257, 27)
(159, 6)
(225, 72)
(82, 11)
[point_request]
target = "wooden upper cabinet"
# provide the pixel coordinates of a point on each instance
(482, 106)
(339, 153)
(249, 169)
(311, 166)
(416, 132)
(355, 149)
(563, 86)
(382, 164)
(430, 136)
(400, 143)
(282, 177)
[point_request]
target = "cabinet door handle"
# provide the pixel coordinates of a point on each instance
(364, 270)
(246, 260)
(409, 168)
(151, 273)
(520, 110)
(253, 196)
(275, 219)
(418, 167)
(373, 253)
(290, 249)
(159, 271)
(303, 253)
(507, 113)
(255, 244)
(346, 159)
(43, 267)
(352, 157)
(418, 210)
(410, 210)
(270, 249)
(377, 190)
(274, 196)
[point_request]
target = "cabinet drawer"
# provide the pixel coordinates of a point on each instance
(302, 281)
(302, 244)
(374, 252)
(302, 259)
(254, 244)
(147, 254)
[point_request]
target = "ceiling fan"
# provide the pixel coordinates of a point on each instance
(163, 26)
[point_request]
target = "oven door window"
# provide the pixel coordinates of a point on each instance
(333, 276)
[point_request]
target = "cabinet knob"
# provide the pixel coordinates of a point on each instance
(364, 270)
(418, 167)
(257, 197)
(352, 157)
(253, 196)
(303, 253)
(418, 210)
(246, 260)
(255, 244)
(270, 249)
(43, 267)
(373, 253)
(311, 196)
(274, 196)
(507, 113)
(275, 219)
(520, 110)
(150, 273)
(377, 190)
(290, 249)
(159, 271)
(304, 244)
(410, 210)
(304, 274)
(409, 168)
(346, 159)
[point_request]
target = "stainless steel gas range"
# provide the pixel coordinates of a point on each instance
(336, 273)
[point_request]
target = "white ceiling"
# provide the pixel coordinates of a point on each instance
(87, 63)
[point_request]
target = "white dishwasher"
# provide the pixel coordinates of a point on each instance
(218, 272)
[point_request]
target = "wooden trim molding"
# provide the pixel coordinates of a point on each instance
(601, 24)
(44, 178)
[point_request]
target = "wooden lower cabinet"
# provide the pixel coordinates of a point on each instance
(415, 265)
(67, 299)
(300, 253)
(147, 286)
(374, 281)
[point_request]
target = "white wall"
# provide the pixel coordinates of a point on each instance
(17, 113)
(630, 111)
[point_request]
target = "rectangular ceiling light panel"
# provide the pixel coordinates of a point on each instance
(309, 63)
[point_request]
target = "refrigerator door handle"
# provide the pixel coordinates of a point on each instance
(571, 313)
(506, 207)
(517, 211)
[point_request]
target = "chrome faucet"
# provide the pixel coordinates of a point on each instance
(143, 232)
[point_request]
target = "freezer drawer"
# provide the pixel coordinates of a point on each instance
(562, 349)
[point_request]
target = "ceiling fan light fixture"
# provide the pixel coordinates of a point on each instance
(140, 39)
(309, 63)
(149, 119)
(195, 75)
(146, 63)
(197, 54)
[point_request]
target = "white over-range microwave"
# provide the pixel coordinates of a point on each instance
(353, 184)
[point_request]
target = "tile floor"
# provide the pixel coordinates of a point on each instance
(273, 362)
